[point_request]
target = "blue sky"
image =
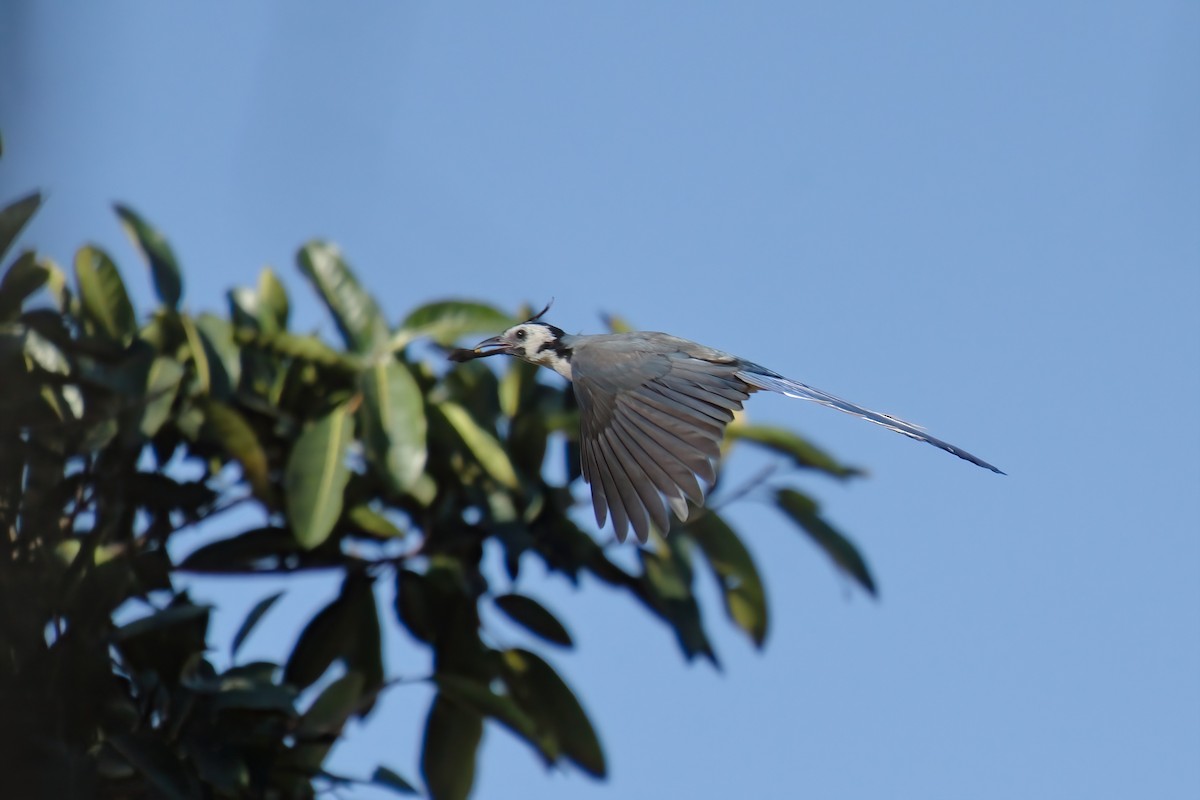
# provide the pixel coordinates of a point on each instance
(982, 217)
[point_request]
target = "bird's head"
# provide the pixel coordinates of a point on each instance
(536, 342)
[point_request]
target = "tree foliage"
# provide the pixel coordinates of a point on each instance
(368, 458)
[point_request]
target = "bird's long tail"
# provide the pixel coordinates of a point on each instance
(774, 382)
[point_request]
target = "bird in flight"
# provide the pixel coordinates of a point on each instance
(653, 410)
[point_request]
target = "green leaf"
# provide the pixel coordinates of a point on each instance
(316, 477)
(241, 443)
(323, 641)
(616, 324)
(804, 512)
(198, 352)
(157, 252)
(534, 617)
(23, 278)
(162, 384)
(452, 735)
(365, 653)
(358, 318)
(448, 321)
(159, 620)
(802, 452)
(478, 697)
(369, 521)
(741, 584)
(260, 609)
(218, 767)
(394, 426)
(414, 606)
(153, 758)
(667, 583)
(216, 335)
(322, 723)
(105, 301)
(244, 308)
(552, 704)
(329, 713)
(14, 217)
(273, 297)
(259, 696)
(392, 780)
(243, 552)
(518, 386)
(289, 345)
(487, 451)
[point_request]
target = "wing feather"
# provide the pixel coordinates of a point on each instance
(693, 460)
(591, 475)
(647, 492)
(695, 403)
(672, 474)
(612, 495)
(652, 425)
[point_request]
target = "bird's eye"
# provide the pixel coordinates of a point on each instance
(520, 334)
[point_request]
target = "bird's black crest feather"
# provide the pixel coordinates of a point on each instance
(541, 313)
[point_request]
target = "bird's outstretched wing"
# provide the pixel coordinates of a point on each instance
(652, 422)
(762, 378)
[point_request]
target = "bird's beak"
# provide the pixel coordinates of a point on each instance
(488, 347)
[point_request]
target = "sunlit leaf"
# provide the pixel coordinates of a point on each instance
(105, 301)
(272, 297)
(668, 583)
(517, 386)
(216, 334)
(158, 254)
(316, 477)
(198, 352)
(785, 442)
(355, 312)
(308, 348)
(804, 512)
(371, 522)
(244, 308)
(14, 217)
(241, 443)
(393, 413)
(452, 735)
(616, 324)
(447, 321)
(741, 584)
(486, 449)
(162, 383)
(533, 616)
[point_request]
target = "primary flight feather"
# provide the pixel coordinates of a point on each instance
(653, 410)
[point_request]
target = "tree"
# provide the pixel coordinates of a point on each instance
(373, 441)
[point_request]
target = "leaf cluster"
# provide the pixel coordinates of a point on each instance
(366, 457)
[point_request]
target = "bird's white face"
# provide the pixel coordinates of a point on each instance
(535, 342)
